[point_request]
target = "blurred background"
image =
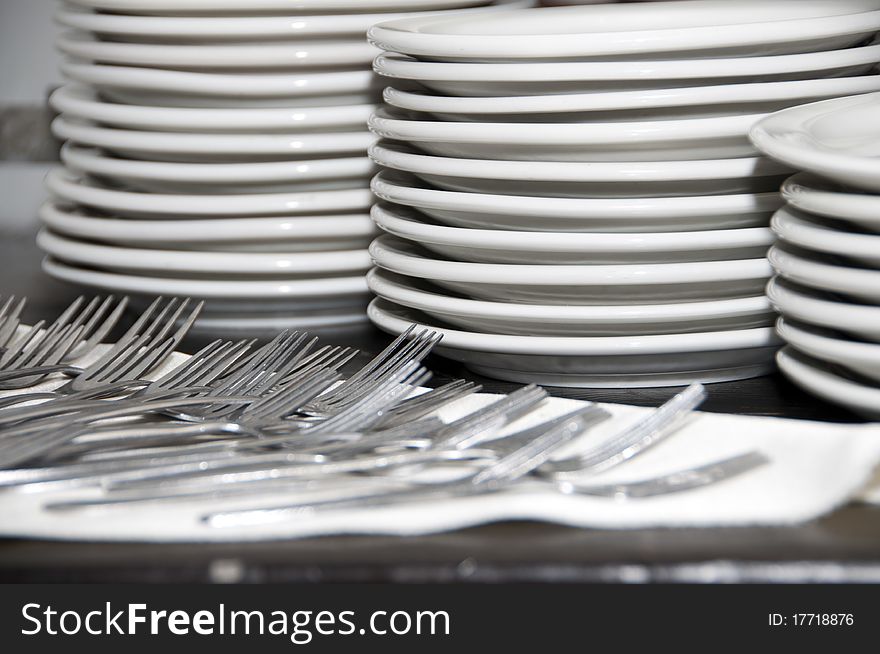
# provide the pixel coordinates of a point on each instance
(28, 71)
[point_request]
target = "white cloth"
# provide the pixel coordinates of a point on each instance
(815, 467)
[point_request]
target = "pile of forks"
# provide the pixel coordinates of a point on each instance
(239, 419)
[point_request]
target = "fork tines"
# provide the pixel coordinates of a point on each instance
(396, 357)
(10, 311)
(146, 344)
(72, 335)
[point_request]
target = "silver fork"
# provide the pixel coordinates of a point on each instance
(146, 344)
(433, 433)
(251, 419)
(480, 425)
(200, 369)
(190, 480)
(277, 362)
(249, 469)
(66, 404)
(205, 366)
(500, 476)
(267, 406)
(327, 357)
(73, 334)
(396, 356)
(700, 476)
(16, 376)
(10, 311)
(633, 440)
(493, 478)
(21, 444)
(370, 408)
(141, 349)
(414, 408)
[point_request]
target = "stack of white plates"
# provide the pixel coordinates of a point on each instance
(570, 193)
(217, 149)
(828, 259)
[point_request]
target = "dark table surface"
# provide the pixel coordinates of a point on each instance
(842, 546)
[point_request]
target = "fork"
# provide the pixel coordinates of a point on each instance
(329, 458)
(396, 356)
(493, 478)
(74, 334)
(706, 474)
(279, 362)
(9, 319)
(633, 440)
(255, 377)
(502, 475)
(20, 444)
(205, 366)
(142, 348)
(370, 408)
(253, 415)
(189, 479)
(199, 369)
(414, 408)
(479, 425)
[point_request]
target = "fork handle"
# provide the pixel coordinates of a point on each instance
(675, 482)
(38, 371)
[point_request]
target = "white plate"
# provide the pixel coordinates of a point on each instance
(214, 28)
(797, 228)
(812, 308)
(163, 176)
(688, 100)
(270, 325)
(817, 379)
(182, 88)
(173, 206)
(577, 284)
(258, 309)
(149, 98)
(292, 291)
(862, 358)
(212, 147)
(833, 138)
(584, 179)
(502, 246)
(858, 282)
(253, 6)
(752, 26)
(816, 196)
(219, 264)
(545, 78)
(267, 55)
(536, 213)
(570, 320)
(82, 102)
(612, 361)
(694, 138)
(280, 233)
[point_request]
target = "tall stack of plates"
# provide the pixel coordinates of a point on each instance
(827, 261)
(570, 195)
(217, 149)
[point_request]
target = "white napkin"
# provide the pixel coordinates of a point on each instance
(816, 467)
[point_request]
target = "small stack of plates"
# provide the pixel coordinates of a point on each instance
(827, 261)
(217, 149)
(570, 195)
